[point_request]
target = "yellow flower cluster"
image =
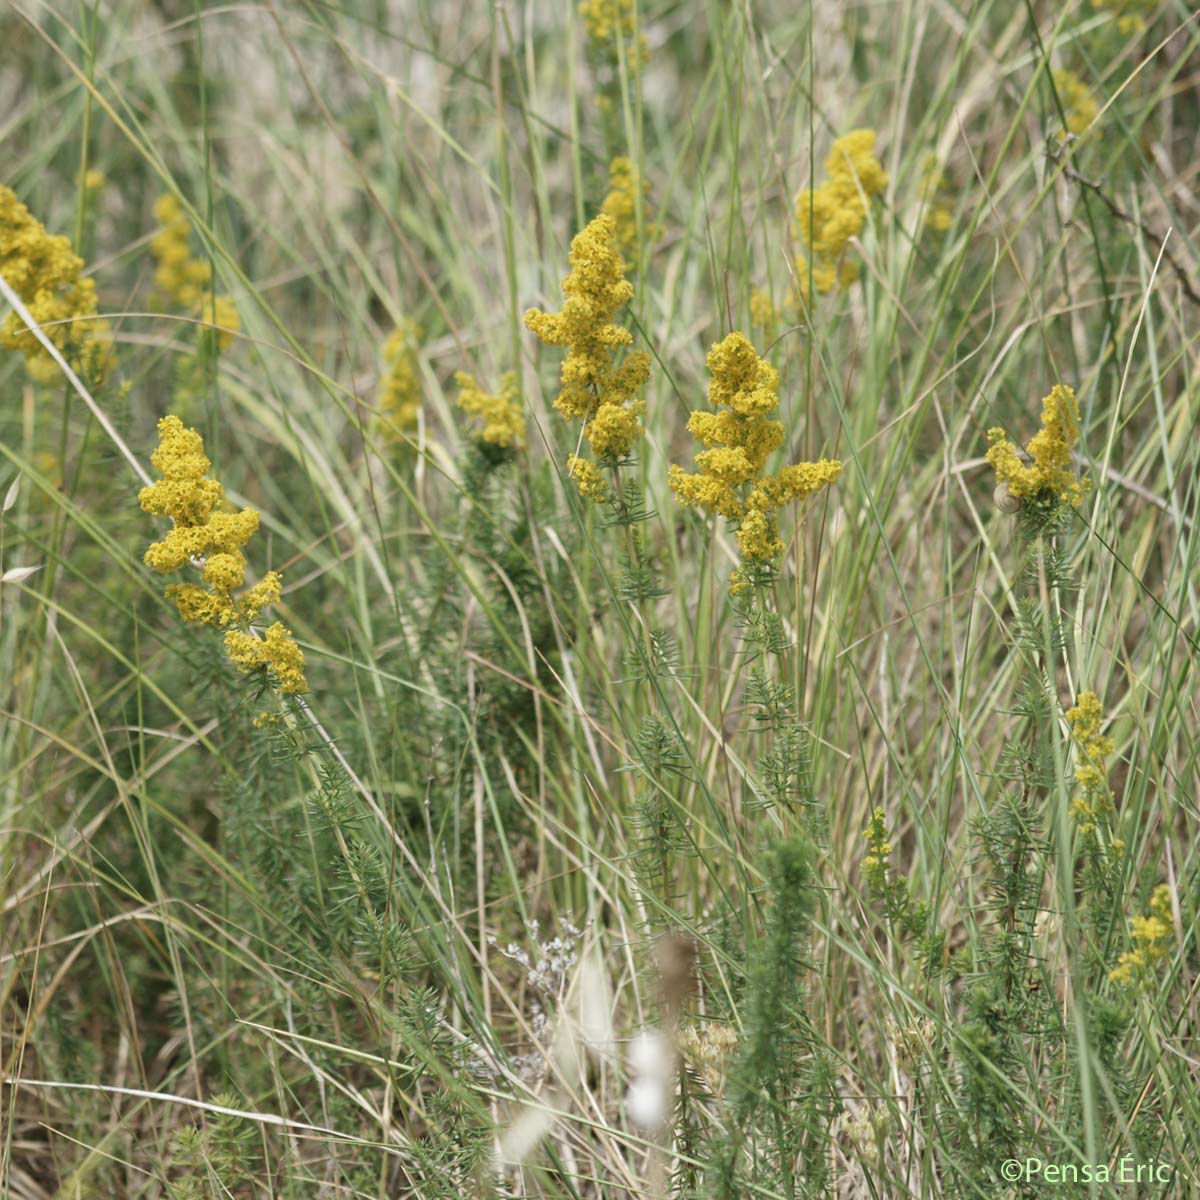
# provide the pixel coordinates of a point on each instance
(878, 860)
(1050, 471)
(502, 415)
(596, 390)
(730, 480)
(609, 21)
(207, 534)
(626, 189)
(1093, 749)
(275, 651)
(830, 215)
(1078, 106)
(178, 276)
(47, 274)
(1150, 936)
(587, 478)
(399, 398)
(185, 280)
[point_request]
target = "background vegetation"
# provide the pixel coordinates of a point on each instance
(550, 789)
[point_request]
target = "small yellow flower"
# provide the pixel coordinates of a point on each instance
(1050, 472)
(204, 534)
(833, 213)
(730, 481)
(502, 416)
(93, 180)
(48, 276)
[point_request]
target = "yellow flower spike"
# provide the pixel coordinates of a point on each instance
(399, 399)
(179, 278)
(596, 390)
(47, 274)
(1150, 936)
(1050, 472)
(205, 536)
(730, 481)
(831, 214)
(1094, 747)
(624, 187)
(184, 280)
(1092, 751)
(502, 416)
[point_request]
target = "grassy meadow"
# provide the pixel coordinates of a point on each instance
(599, 600)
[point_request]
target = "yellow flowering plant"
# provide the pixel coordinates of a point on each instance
(207, 534)
(1093, 749)
(48, 276)
(836, 211)
(186, 281)
(1092, 805)
(731, 480)
(627, 191)
(596, 389)
(1048, 476)
(1151, 936)
(501, 415)
(399, 397)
